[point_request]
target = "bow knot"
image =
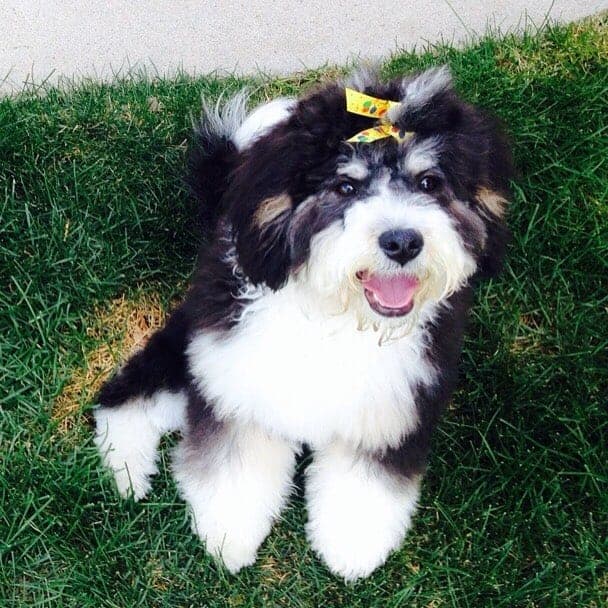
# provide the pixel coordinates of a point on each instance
(365, 105)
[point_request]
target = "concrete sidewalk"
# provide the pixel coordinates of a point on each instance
(74, 39)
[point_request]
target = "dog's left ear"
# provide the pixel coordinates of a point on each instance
(497, 233)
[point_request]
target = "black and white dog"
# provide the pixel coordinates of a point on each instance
(327, 310)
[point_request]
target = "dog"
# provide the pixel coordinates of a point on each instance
(327, 310)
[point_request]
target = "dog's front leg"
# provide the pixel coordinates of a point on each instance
(235, 479)
(358, 511)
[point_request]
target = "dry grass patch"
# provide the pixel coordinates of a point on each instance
(273, 573)
(296, 84)
(118, 329)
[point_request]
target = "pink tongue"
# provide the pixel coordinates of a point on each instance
(392, 292)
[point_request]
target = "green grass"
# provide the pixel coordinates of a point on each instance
(515, 505)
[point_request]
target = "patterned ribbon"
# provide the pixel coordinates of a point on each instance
(365, 105)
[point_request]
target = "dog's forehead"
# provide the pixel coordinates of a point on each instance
(414, 157)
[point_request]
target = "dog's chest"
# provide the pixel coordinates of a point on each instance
(312, 381)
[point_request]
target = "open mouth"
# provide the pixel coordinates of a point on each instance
(389, 296)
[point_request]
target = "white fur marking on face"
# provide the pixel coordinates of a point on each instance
(342, 249)
(355, 168)
(357, 512)
(422, 156)
(261, 120)
(235, 494)
(128, 436)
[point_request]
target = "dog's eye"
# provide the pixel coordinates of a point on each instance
(429, 183)
(346, 189)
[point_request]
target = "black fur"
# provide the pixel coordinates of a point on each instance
(474, 154)
(447, 335)
(161, 365)
(211, 158)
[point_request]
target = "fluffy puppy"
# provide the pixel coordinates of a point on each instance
(327, 310)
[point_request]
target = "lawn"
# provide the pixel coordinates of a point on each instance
(96, 242)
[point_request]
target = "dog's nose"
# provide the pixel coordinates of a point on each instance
(401, 245)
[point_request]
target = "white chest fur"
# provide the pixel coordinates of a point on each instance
(311, 380)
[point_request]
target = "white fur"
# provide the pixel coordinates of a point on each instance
(357, 512)
(354, 168)
(224, 117)
(128, 437)
(236, 492)
(422, 155)
(304, 371)
(310, 377)
(363, 77)
(425, 86)
(420, 90)
(261, 120)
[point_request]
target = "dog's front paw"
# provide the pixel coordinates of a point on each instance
(229, 518)
(132, 481)
(234, 551)
(234, 495)
(231, 537)
(127, 443)
(353, 545)
(358, 513)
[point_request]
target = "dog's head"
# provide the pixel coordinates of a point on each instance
(380, 228)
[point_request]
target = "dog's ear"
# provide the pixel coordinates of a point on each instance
(259, 207)
(261, 239)
(428, 103)
(272, 178)
(492, 196)
(493, 254)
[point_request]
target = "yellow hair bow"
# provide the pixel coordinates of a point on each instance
(365, 105)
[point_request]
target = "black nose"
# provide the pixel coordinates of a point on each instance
(401, 245)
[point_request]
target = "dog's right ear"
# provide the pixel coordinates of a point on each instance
(260, 208)
(427, 99)
(274, 175)
(261, 239)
